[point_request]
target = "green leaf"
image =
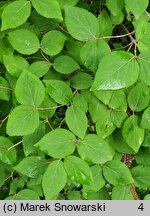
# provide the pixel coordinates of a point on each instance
(81, 24)
(8, 157)
(4, 89)
(78, 170)
(67, 2)
(147, 197)
(133, 133)
(138, 98)
(102, 194)
(104, 126)
(117, 173)
(16, 185)
(29, 89)
(26, 194)
(144, 63)
(58, 143)
(6, 48)
(54, 179)
(52, 42)
(137, 7)
(118, 143)
(15, 64)
(48, 8)
(59, 91)
(105, 24)
(76, 121)
(74, 195)
(31, 139)
(122, 192)
(143, 157)
(98, 180)
(118, 117)
(48, 102)
(24, 41)
(115, 6)
(73, 48)
(146, 142)
(96, 108)
(116, 74)
(145, 122)
(141, 175)
(81, 81)
(65, 64)
(23, 120)
(80, 102)
(31, 166)
(15, 14)
(95, 150)
(113, 99)
(92, 52)
(39, 68)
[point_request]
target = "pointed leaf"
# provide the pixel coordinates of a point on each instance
(137, 7)
(117, 173)
(122, 192)
(81, 81)
(141, 175)
(23, 120)
(26, 194)
(115, 6)
(78, 170)
(115, 71)
(133, 133)
(15, 14)
(76, 121)
(4, 89)
(24, 41)
(81, 24)
(138, 98)
(6, 156)
(95, 150)
(39, 68)
(92, 52)
(144, 63)
(58, 143)
(52, 42)
(145, 122)
(29, 89)
(98, 180)
(54, 179)
(15, 64)
(59, 91)
(65, 64)
(48, 8)
(31, 166)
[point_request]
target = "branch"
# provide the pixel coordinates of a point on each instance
(8, 149)
(116, 36)
(48, 108)
(132, 40)
(4, 87)
(133, 191)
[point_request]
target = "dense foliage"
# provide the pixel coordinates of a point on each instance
(74, 99)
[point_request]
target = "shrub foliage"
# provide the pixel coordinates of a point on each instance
(74, 99)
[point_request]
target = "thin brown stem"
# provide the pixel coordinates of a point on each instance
(116, 36)
(4, 87)
(48, 108)
(47, 122)
(13, 146)
(133, 191)
(133, 40)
